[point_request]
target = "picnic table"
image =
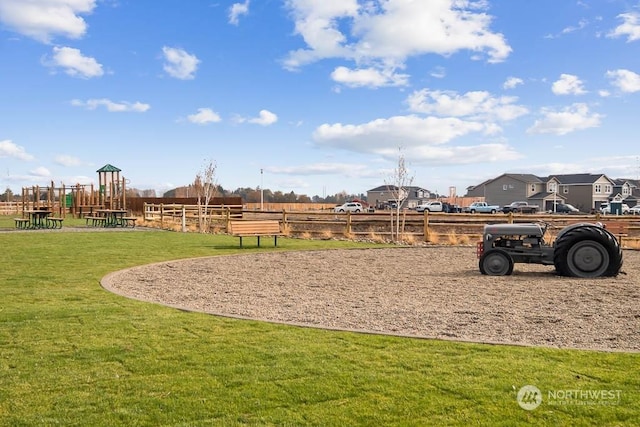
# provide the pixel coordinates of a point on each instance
(111, 218)
(38, 219)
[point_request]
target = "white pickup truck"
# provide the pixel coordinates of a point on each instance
(432, 206)
(481, 207)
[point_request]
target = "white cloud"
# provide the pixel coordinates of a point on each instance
(368, 77)
(568, 84)
(237, 10)
(568, 30)
(512, 83)
(204, 116)
(385, 34)
(179, 63)
(438, 73)
(44, 19)
(66, 160)
(74, 63)
(9, 149)
(320, 169)
(476, 105)
(41, 172)
(462, 155)
(266, 118)
(625, 80)
(384, 135)
(569, 119)
(629, 28)
(113, 107)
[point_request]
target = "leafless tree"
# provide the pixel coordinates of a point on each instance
(206, 188)
(397, 183)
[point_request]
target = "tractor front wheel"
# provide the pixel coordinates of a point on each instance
(496, 262)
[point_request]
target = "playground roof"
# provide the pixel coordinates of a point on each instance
(108, 168)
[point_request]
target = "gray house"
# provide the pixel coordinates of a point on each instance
(585, 191)
(628, 190)
(384, 195)
(512, 187)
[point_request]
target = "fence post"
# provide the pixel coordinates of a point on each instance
(510, 218)
(184, 219)
(348, 229)
(161, 215)
(427, 236)
(284, 220)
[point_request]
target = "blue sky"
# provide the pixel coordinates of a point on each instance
(321, 95)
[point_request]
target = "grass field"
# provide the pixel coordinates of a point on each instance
(71, 353)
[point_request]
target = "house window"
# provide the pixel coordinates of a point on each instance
(625, 191)
(533, 188)
(607, 189)
(505, 187)
(597, 188)
(565, 189)
(552, 187)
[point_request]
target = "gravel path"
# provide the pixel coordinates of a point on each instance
(430, 292)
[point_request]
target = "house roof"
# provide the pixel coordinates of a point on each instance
(544, 194)
(394, 187)
(577, 178)
(524, 177)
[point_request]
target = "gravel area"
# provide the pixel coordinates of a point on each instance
(429, 292)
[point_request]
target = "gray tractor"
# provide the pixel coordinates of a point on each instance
(580, 250)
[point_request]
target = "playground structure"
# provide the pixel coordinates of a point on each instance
(79, 199)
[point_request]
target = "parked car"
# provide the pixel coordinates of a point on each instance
(635, 210)
(520, 207)
(349, 207)
(566, 208)
(481, 207)
(432, 206)
(605, 209)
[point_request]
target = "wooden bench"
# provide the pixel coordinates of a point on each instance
(53, 222)
(129, 221)
(95, 220)
(21, 223)
(244, 228)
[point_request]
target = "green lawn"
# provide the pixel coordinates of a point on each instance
(72, 353)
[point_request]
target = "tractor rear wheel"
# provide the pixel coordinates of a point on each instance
(496, 262)
(587, 251)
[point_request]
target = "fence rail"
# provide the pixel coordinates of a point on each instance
(10, 208)
(416, 226)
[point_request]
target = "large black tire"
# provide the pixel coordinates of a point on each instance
(496, 262)
(587, 251)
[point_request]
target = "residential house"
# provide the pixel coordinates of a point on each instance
(384, 195)
(628, 190)
(512, 187)
(585, 191)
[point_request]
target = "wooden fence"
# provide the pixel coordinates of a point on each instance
(10, 208)
(375, 225)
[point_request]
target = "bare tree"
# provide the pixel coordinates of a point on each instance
(397, 184)
(206, 188)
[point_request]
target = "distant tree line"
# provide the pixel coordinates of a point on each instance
(254, 195)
